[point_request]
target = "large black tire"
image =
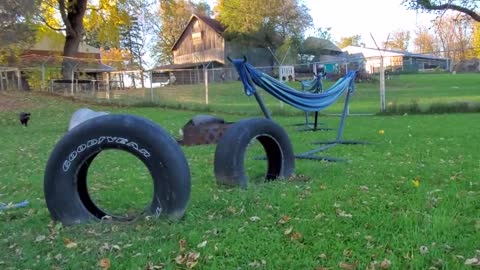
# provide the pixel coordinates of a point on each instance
(230, 151)
(65, 183)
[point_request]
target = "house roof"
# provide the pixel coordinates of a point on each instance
(51, 43)
(214, 24)
(172, 67)
(373, 52)
(85, 64)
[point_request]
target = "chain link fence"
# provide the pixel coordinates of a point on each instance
(200, 88)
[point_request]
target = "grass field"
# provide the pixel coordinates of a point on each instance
(424, 89)
(408, 200)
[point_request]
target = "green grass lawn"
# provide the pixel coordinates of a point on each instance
(363, 213)
(424, 89)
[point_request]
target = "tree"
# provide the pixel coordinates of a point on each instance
(324, 33)
(17, 31)
(424, 42)
(476, 40)
(468, 7)
(101, 18)
(134, 41)
(105, 20)
(354, 40)
(169, 21)
(399, 40)
(115, 57)
(454, 36)
(267, 22)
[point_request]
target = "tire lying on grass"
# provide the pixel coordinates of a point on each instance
(65, 183)
(230, 152)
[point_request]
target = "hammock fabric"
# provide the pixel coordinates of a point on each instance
(313, 86)
(310, 102)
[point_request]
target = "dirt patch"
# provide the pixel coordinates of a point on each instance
(15, 102)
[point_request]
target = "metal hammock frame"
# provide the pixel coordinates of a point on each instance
(250, 77)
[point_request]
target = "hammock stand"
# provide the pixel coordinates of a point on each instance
(307, 102)
(314, 86)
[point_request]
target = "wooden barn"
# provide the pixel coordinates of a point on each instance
(202, 45)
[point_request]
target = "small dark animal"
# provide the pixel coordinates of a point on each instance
(24, 117)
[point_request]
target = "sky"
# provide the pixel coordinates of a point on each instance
(362, 17)
(378, 17)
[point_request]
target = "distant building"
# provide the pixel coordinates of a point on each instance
(49, 50)
(46, 57)
(202, 44)
(395, 60)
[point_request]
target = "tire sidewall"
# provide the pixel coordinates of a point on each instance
(138, 136)
(230, 151)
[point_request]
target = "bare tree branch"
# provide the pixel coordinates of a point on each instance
(429, 6)
(50, 26)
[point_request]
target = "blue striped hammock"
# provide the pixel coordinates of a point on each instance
(309, 102)
(313, 86)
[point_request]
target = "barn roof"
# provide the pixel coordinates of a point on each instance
(214, 24)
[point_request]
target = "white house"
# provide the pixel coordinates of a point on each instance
(396, 60)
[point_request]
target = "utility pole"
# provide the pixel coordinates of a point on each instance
(382, 74)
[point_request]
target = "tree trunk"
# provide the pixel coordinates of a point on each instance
(72, 14)
(69, 51)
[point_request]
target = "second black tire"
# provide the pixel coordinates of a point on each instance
(230, 152)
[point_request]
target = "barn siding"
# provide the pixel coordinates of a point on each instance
(210, 47)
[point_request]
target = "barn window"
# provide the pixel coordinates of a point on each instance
(197, 38)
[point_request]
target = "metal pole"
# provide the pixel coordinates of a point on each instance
(1, 81)
(43, 76)
(205, 75)
(262, 105)
(19, 79)
(72, 82)
(382, 85)
(107, 93)
(151, 86)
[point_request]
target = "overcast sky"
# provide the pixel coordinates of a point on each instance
(355, 17)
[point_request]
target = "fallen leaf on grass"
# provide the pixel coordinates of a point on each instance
(69, 243)
(299, 177)
(323, 256)
(58, 257)
(182, 244)
(284, 220)
(364, 188)
(472, 262)
(232, 209)
(180, 259)
(104, 263)
(202, 244)
(423, 250)
(385, 264)
(416, 183)
(254, 218)
(342, 213)
(348, 266)
(257, 263)
(190, 259)
(40, 238)
(151, 266)
(296, 236)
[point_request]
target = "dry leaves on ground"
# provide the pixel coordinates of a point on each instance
(104, 263)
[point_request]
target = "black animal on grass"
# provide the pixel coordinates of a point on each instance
(24, 117)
